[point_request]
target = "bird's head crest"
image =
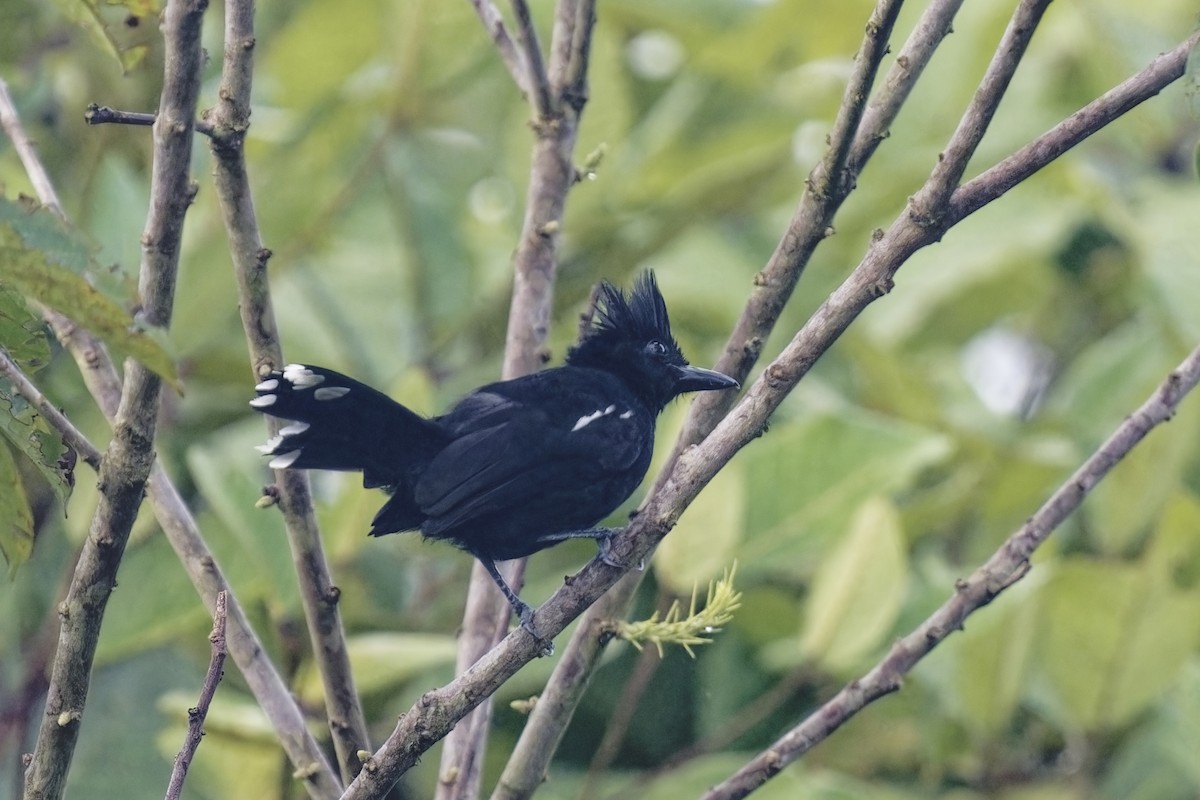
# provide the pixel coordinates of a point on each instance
(640, 317)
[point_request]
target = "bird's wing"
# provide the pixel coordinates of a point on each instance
(527, 455)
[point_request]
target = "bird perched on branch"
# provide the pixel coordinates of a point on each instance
(515, 466)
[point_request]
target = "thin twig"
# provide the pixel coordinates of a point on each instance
(935, 24)
(994, 182)
(489, 15)
(1006, 566)
(178, 524)
(828, 186)
(197, 715)
(930, 203)
(103, 115)
(438, 710)
(130, 455)
(230, 119)
(58, 420)
(11, 121)
(535, 67)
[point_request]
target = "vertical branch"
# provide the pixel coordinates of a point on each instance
(557, 101)
(130, 455)
(178, 524)
(230, 119)
(197, 715)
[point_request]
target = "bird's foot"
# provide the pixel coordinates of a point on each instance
(526, 615)
(605, 555)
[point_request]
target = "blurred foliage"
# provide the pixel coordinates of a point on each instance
(389, 155)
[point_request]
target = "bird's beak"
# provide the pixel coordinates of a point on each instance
(695, 379)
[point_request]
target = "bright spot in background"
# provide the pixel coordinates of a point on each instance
(1008, 371)
(491, 199)
(654, 55)
(809, 143)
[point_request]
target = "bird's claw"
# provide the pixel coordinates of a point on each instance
(605, 555)
(526, 614)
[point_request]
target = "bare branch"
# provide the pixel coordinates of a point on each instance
(197, 715)
(934, 25)
(102, 115)
(231, 119)
(994, 182)
(11, 122)
(535, 67)
(526, 767)
(130, 455)
(829, 183)
(1006, 566)
(952, 163)
(489, 15)
(178, 524)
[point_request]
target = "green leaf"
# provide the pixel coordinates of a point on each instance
(22, 335)
(16, 535)
(805, 480)
(705, 540)
(857, 592)
(46, 261)
(120, 28)
(1115, 636)
(31, 435)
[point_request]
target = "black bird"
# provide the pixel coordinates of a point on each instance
(515, 466)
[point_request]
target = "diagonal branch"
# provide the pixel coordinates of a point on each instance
(540, 95)
(931, 201)
(994, 182)
(489, 15)
(130, 455)
(231, 119)
(1007, 565)
(828, 186)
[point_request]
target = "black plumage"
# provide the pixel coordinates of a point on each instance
(515, 466)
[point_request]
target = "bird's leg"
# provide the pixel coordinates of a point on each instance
(524, 612)
(603, 537)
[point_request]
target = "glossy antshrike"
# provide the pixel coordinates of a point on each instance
(515, 466)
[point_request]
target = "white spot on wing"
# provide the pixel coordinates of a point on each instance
(269, 448)
(330, 392)
(295, 429)
(268, 385)
(264, 401)
(588, 419)
(627, 414)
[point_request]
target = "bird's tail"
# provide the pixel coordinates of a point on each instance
(341, 424)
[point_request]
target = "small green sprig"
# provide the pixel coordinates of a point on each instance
(694, 629)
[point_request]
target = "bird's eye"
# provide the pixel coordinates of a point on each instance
(656, 348)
